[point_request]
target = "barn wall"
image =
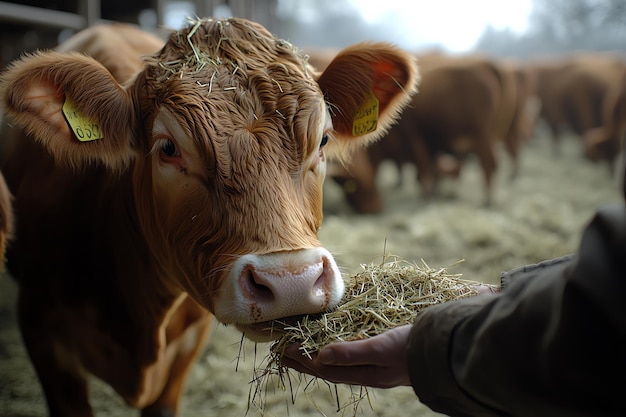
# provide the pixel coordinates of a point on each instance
(39, 24)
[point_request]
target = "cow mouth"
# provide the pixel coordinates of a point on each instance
(271, 330)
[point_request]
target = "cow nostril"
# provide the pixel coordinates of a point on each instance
(319, 286)
(258, 291)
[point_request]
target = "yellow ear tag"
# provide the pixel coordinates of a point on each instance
(366, 118)
(84, 128)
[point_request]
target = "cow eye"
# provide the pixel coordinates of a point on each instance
(324, 140)
(168, 148)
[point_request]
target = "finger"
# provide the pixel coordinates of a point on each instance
(357, 375)
(298, 364)
(292, 351)
(487, 289)
(381, 350)
(354, 353)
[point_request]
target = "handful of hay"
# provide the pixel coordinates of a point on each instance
(378, 298)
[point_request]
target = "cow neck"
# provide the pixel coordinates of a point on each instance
(148, 296)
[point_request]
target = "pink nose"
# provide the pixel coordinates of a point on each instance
(276, 291)
(261, 288)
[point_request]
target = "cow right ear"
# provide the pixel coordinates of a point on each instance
(72, 105)
(367, 85)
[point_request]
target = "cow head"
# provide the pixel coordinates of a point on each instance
(226, 131)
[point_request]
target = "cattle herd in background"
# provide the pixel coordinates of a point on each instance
(477, 105)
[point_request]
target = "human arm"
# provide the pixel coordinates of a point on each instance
(550, 344)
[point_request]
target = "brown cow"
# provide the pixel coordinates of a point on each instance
(604, 143)
(202, 197)
(572, 91)
(456, 113)
(519, 110)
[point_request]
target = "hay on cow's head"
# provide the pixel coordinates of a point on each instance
(378, 298)
(210, 50)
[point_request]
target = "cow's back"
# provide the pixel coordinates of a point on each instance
(120, 47)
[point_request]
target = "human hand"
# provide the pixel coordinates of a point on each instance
(483, 289)
(379, 361)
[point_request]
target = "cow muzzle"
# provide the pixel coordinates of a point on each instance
(263, 289)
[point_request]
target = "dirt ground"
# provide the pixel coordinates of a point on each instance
(539, 216)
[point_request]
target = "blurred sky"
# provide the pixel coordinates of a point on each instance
(454, 24)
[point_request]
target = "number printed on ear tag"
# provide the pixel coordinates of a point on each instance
(366, 118)
(84, 128)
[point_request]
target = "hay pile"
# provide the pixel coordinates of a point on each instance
(380, 297)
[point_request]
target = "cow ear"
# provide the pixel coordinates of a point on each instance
(366, 86)
(72, 105)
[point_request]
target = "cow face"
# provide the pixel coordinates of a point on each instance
(226, 132)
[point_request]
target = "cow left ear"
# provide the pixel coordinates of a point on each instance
(72, 105)
(367, 85)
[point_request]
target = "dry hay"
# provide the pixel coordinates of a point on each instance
(195, 62)
(382, 296)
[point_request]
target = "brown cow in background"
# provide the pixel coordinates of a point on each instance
(523, 107)
(572, 91)
(152, 194)
(467, 105)
(604, 143)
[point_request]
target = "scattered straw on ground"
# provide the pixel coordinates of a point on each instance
(380, 297)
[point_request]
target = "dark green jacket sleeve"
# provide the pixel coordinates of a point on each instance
(552, 343)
